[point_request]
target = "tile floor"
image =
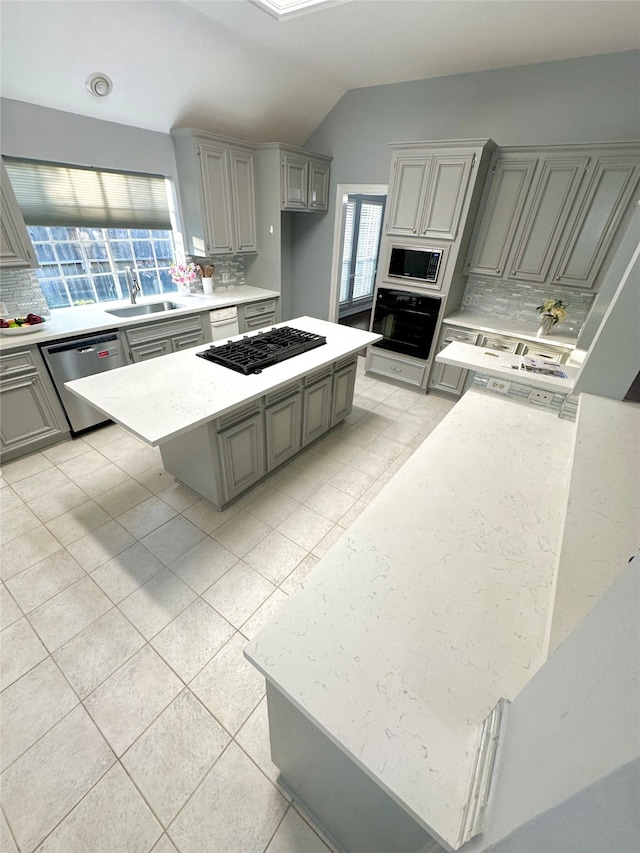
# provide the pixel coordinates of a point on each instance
(129, 719)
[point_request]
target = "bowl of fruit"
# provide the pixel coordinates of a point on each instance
(21, 325)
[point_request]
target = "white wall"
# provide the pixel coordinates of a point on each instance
(588, 100)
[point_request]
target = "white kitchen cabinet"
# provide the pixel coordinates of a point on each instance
(402, 368)
(428, 190)
(304, 180)
(16, 250)
(152, 340)
(31, 416)
(550, 215)
(344, 383)
(216, 183)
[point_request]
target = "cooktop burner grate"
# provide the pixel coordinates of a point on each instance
(253, 354)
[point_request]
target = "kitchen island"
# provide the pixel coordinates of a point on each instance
(220, 432)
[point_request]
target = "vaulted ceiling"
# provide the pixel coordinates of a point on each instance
(231, 67)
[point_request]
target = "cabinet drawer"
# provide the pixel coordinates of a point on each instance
(18, 362)
(396, 368)
(259, 322)
(451, 335)
(500, 344)
(548, 353)
(238, 414)
(256, 309)
(165, 329)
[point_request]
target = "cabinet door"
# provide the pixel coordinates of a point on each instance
(283, 431)
(316, 410)
(253, 323)
(16, 251)
(187, 340)
(600, 210)
(447, 377)
(28, 415)
(153, 349)
(242, 455)
(545, 217)
(295, 183)
(244, 201)
(500, 216)
(410, 178)
(318, 186)
(446, 193)
(344, 381)
(217, 198)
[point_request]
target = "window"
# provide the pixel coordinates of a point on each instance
(88, 225)
(362, 227)
(80, 265)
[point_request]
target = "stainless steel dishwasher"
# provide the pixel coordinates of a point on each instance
(76, 358)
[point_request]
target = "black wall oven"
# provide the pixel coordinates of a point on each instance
(407, 322)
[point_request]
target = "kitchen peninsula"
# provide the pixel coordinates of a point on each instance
(220, 432)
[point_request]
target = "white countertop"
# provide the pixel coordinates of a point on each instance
(505, 365)
(87, 319)
(165, 397)
(432, 606)
(602, 528)
(560, 336)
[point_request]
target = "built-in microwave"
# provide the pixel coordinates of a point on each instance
(420, 265)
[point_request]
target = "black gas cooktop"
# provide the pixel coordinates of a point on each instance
(253, 354)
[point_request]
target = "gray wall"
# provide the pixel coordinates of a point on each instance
(594, 99)
(40, 133)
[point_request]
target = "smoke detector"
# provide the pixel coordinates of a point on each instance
(99, 84)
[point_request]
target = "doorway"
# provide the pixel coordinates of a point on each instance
(357, 235)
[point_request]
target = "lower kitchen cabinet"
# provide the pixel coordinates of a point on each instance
(242, 455)
(257, 315)
(316, 409)
(283, 430)
(452, 380)
(225, 457)
(31, 415)
(344, 383)
(155, 339)
(402, 368)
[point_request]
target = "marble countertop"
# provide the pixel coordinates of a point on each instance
(561, 335)
(602, 528)
(182, 391)
(87, 319)
(505, 365)
(407, 633)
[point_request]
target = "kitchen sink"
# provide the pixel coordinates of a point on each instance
(149, 308)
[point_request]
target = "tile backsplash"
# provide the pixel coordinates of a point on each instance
(229, 271)
(21, 294)
(518, 301)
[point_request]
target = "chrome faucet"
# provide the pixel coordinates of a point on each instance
(132, 283)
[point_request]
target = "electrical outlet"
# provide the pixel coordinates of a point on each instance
(498, 385)
(544, 397)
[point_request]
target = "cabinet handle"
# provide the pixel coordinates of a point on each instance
(497, 270)
(414, 230)
(513, 272)
(395, 369)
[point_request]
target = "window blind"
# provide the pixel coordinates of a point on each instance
(54, 194)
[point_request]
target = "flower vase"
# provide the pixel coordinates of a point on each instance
(184, 290)
(546, 324)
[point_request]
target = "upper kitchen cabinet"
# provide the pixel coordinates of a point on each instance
(16, 251)
(549, 215)
(304, 181)
(429, 185)
(216, 182)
